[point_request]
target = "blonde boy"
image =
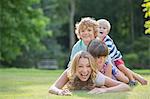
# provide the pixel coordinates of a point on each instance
(86, 30)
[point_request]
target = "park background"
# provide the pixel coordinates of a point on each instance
(34, 32)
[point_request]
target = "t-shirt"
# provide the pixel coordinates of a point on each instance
(113, 51)
(100, 79)
(80, 46)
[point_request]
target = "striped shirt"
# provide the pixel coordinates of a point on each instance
(113, 51)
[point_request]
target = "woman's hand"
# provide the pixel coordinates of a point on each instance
(97, 91)
(65, 92)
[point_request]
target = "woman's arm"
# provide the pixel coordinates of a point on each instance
(111, 86)
(56, 88)
(115, 86)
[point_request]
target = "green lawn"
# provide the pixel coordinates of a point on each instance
(33, 84)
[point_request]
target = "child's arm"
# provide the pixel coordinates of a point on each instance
(56, 88)
(108, 71)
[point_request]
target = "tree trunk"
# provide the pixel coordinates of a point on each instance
(72, 12)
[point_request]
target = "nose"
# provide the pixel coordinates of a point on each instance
(85, 70)
(85, 33)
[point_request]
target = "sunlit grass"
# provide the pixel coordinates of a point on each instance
(33, 84)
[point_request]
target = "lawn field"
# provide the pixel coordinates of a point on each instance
(33, 84)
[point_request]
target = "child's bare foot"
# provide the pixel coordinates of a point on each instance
(142, 80)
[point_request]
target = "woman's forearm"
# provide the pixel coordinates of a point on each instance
(120, 87)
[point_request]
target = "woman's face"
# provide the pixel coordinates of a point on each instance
(83, 69)
(87, 34)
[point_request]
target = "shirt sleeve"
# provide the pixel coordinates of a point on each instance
(100, 79)
(75, 49)
(113, 51)
(73, 52)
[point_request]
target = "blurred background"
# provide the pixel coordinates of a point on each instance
(40, 33)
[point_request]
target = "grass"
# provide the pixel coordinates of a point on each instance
(33, 84)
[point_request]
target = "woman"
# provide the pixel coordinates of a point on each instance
(84, 75)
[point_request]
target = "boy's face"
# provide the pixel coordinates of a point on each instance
(87, 34)
(100, 62)
(103, 30)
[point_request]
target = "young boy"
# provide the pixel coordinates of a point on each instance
(87, 30)
(115, 55)
(99, 51)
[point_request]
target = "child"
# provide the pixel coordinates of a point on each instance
(87, 30)
(115, 55)
(83, 75)
(99, 51)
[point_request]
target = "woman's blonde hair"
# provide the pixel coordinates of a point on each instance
(72, 69)
(85, 23)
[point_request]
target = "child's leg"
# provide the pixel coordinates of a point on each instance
(119, 75)
(139, 78)
(125, 70)
(120, 65)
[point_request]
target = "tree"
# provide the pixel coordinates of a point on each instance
(72, 13)
(22, 27)
(146, 9)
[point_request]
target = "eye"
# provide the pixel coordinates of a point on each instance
(80, 66)
(104, 28)
(82, 31)
(88, 66)
(89, 30)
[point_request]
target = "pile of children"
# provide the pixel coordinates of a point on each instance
(93, 38)
(86, 30)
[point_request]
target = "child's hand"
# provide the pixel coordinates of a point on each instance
(97, 91)
(65, 92)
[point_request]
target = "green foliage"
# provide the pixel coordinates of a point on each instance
(147, 26)
(26, 37)
(131, 59)
(146, 9)
(22, 28)
(139, 57)
(58, 12)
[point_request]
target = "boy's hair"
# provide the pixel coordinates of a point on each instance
(84, 23)
(105, 22)
(97, 48)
